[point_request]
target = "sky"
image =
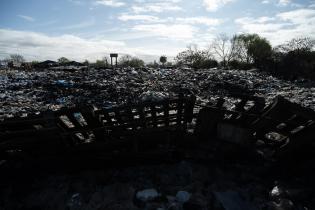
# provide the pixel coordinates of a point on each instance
(91, 29)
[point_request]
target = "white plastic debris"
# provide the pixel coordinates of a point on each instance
(275, 191)
(147, 195)
(183, 196)
(75, 201)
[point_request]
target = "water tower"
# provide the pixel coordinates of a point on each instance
(113, 55)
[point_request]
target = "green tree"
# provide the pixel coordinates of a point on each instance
(86, 63)
(100, 64)
(260, 51)
(194, 58)
(124, 60)
(129, 61)
(251, 49)
(63, 60)
(295, 58)
(163, 59)
(136, 63)
(242, 43)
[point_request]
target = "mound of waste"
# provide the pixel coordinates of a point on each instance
(25, 92)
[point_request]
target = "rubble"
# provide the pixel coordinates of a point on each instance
(183, 196)
(39, 90)
(132, 126)
(147, 195)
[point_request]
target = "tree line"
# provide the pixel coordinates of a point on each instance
(295, 58)
(130, 61)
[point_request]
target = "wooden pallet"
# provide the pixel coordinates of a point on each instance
(247, 109)
(84, 128)
(36, 133)
(285, 126)
(282, 127)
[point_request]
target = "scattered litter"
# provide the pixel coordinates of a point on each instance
(147, 195)
(42, 89)
(183, 196)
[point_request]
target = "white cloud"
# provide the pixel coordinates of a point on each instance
(38, 46)
(27, 18)
(148, 1)
(283, 27)
(146, 18)
(77, 2)
(284, 2)
(250, 20)
(200, 20)
(299, 16)
(83, 24)
(157, 7)
(110, 3)
(265, 2)
(175, 31)
(214, 5)
(252, 25)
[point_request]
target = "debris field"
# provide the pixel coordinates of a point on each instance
(24, 92)
(156, 139)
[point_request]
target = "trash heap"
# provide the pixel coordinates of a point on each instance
(25, 92)
(213, 174)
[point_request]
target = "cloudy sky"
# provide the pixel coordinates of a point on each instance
(90, 29)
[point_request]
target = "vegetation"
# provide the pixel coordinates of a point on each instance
(16, 58)
(195, 58)
(222, 47)
(12, 60)
(63, 60)
(129, 61)
(153, 64)
(103, 63)
(163, 59)
(293, 59)
(86, 63)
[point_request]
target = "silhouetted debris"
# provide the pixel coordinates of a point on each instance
(183, 196)
(24, 92)
(275, 132)
(45, 64)
(147, 195)
(121, 139)
(112, 128)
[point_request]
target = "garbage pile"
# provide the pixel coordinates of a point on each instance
(24, 92)
(208, 176)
